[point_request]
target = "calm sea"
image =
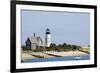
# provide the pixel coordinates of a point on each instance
(66, 58)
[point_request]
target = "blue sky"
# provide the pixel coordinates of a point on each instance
(68, 27)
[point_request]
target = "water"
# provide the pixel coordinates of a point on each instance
(66, 58)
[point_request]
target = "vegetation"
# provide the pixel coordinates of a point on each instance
(54, 47)
(24, 47)
(86, 50)
(64, 47)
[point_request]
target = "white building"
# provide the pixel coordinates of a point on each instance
(34, 42)
(47, 38)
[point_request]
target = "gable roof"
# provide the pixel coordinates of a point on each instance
(34, 39)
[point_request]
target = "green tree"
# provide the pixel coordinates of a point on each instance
(24, 47)
(64, 45)
(69, 47)
(52, 45)
(75, 47)
(59, 46)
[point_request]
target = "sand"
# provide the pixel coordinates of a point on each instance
(49, 54)
(26, 56)
(41, 54)
(69, 53)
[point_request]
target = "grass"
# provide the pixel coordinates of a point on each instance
(85, 49)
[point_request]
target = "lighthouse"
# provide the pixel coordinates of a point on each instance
(47, 38)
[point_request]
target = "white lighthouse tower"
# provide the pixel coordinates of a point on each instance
(47, 38)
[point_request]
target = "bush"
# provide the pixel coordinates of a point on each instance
(38, 50)
(24, 48)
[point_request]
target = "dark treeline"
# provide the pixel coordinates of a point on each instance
(63, 47)
(54, 47)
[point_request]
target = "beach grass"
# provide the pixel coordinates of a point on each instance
(85, 49)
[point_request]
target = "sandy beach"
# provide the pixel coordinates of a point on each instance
(26, 56)
(69, 53)
(41, 55)
(49, 54)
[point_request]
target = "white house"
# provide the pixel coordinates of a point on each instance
(34, 42)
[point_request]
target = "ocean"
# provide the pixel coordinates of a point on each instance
(65, 58)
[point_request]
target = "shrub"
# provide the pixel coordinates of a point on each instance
(24, 48)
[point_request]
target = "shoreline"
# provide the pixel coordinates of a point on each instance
(50, 54)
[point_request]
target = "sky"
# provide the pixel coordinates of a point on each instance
(65, 27)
